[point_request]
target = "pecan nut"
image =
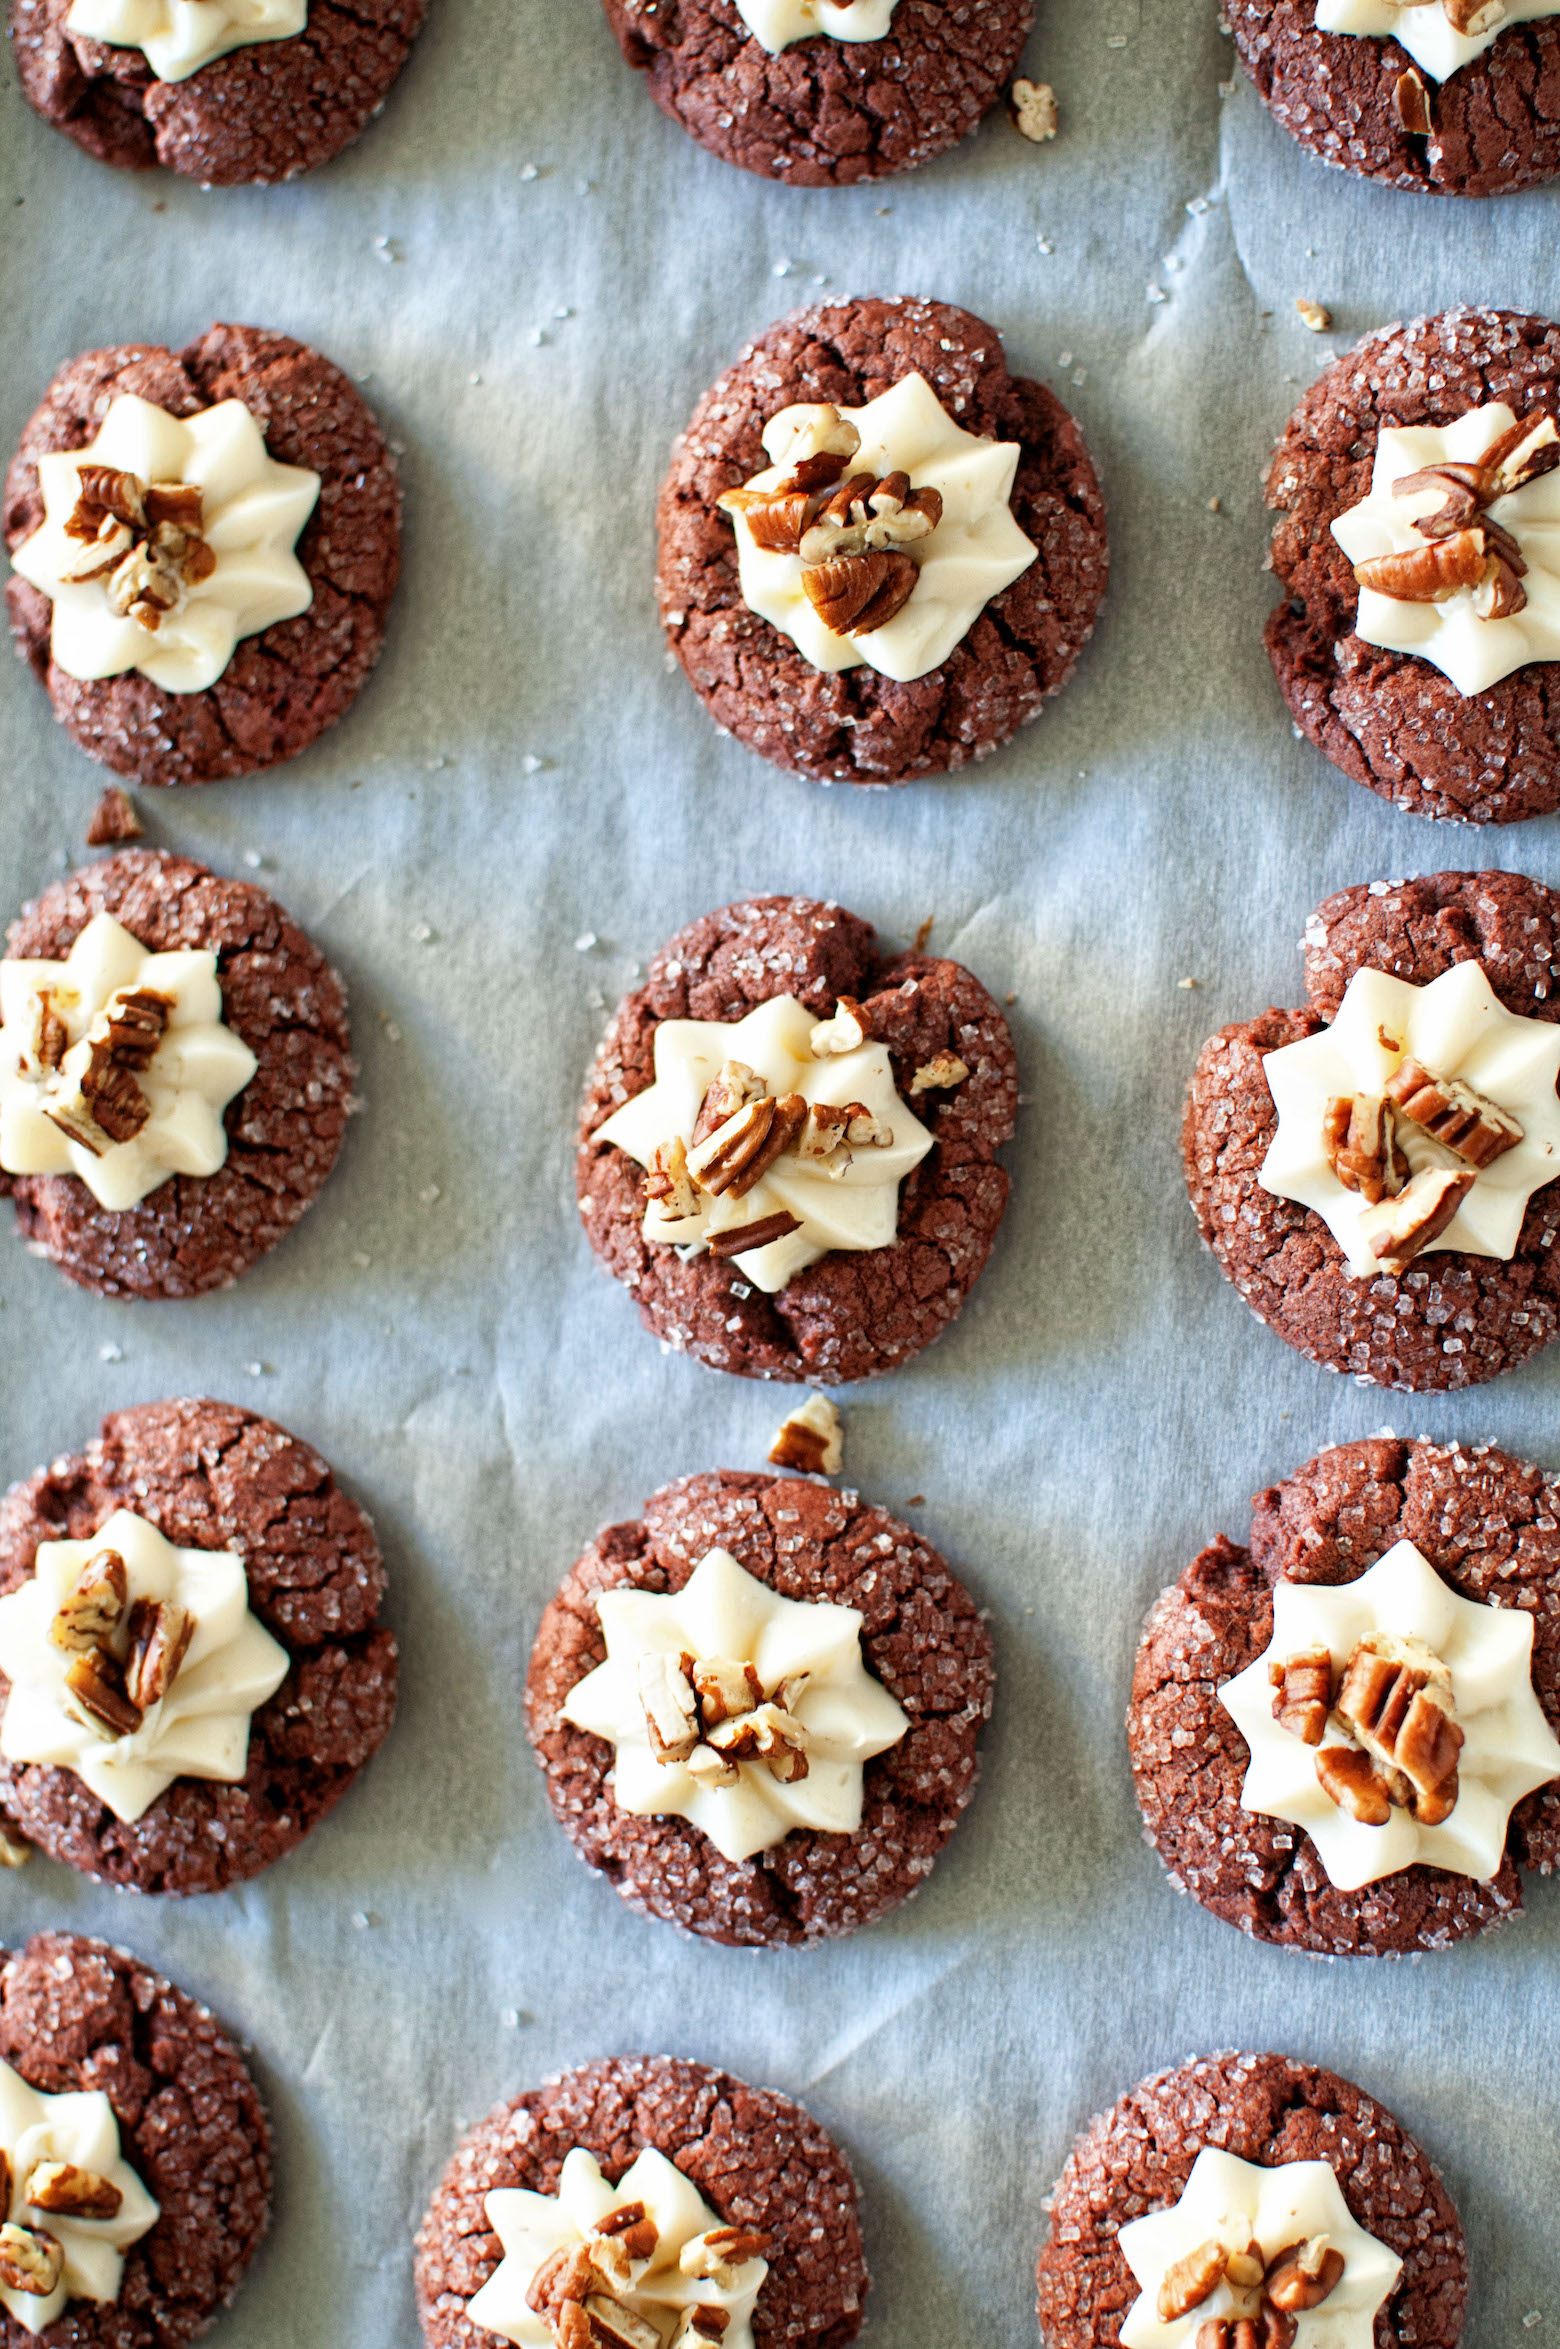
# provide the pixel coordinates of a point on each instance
(733, 1087)
(95, 1608)
(846, 1032)
(738, 1238)
(1361, 1146)
(719, 2253)
(671, 1706)
(1032, 110)
(65, 2191)
(630, 2225)
(939, 1074)
(669, 1188)
(1304, 2275)
(1411, 104)
(96, 1696)
(1302, 1700)
(160, 1635)
(811, 1439)
(855, 594)
(1190, 2280)
(1400, 1228)
(31, 2261)
(1427, 574)
(725, 1688)
(1396, 1696)
(1351, 1780)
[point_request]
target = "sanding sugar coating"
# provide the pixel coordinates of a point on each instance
(1268, 2109)
(760, 2161)
(1387, 719)
(211, 1476)
(1449, 1320)
(922, 1638)
(78, 2014)
(1490, 1525)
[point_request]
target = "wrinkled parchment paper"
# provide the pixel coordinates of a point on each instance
(535, 275)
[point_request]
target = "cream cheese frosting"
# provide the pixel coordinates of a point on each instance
(199, 1726)
(974, 552)
(775, 24)
(1457, 1027)
(681, 2272)
(1474, 653)
(1239, 2204)
(196, 1067)
(78, 2130)
(847, 1200)
(251, 513)
(178, 37)
(1508, 1747)
(1427, 30)
(806, 1667)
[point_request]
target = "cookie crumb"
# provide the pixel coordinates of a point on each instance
(916, 1501)
(1314, 315)
(811, 1438)
(1032, 110)
(1215, 505)
(15, 1850)
(114, 819)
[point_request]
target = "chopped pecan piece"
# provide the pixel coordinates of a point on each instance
(725, 1688)
(1315, 317)
(51, 1037)
(102, 491)
(1500, 594)
(815, 428)
(724, 1157)
(15, 1852)
(616, 2326)
(1245, 2269)
(105, 1104)
(1473, 17)
(92, 1613)
(671, 1707)
(1188, 2281)
(1304, 2275)
(1453, 1113)
(701, 2324)
(1400, 1228)
(1411, 104)
(1529, 449)
(31, 2261)
(1396, 1696)
(631, 2227)
(1270, 2328)
(811, 1439)
(97, 1696)
(1464, 494)
(720, 2252)
(1427, 574)
(1362, 1148)
(732, 1089)
(1032, 110)
(1302, 1700)
(113, 819)
(567, 2274)
(711, 1768)
(943, 1070)
(160, 1635)
(855, 594)
(775, 518)
(65, 2191)
(669, 1187)
(768, 1734)
(740, 1237)
(845, 1032)
(1350, 1779)
(7, 2179)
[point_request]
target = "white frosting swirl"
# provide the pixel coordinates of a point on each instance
(533, 2227)
(724, 1613)
(1239, 2202)
(1508, 1746)
(252, 512)
(1474, 653)
(857, 1207)
(775, 24)
(976, 550)
(78, 2129)
(1457, 1027)
(197, 1068)
(1425, 30)
(178, 37)
(199, 1729)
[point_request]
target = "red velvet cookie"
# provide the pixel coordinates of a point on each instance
(1391, 720)
(1451, 1318)
(284, 686)
(856, 725)
(1267, 2110)
(822, 112)
(284, 1129)
(851, 1313)
(1487, 1524)
(1362, 104)
(78, 2017)
(262, 113)
(922, 1638)
(210, 1476)
(760, 2162)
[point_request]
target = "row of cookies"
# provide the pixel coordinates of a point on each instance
(880, 553)
(648, 2202)
(1450, 96)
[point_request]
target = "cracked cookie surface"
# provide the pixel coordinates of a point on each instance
(261, 113)
(1494, 125)
(1488, 1524)
(1266, 2109)
(759, 2161)
(824, 113)
(922, 1637)
(195, 1233)
(851, 1314)
(78, 2015)
(287, 684)
(856, 726)
(1387, 719)
(211, 1476)
(1451, 1319)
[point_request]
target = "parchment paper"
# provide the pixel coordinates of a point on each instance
(535, 275)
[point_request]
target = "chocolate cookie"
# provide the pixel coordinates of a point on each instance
(825, 113)
(1363, 105)
(1486, 1523)
(852, 1313)
(262, 113)
(1451, 1319)
(285, 685)
(77, 2016)
(1268, 2110)
(284, 1130)
(922, 1637)
(1391, 720)
(210, 1476)
(759, 2161)
(855, 725)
